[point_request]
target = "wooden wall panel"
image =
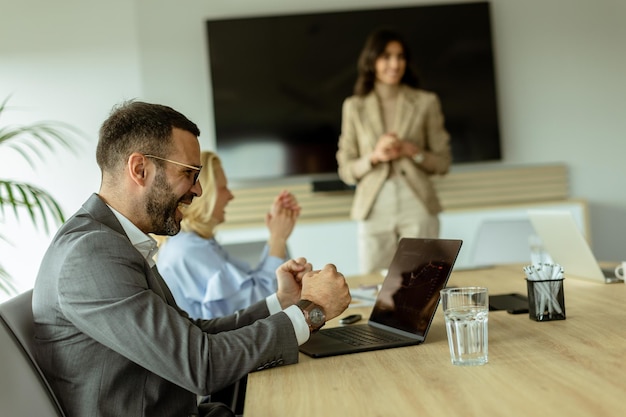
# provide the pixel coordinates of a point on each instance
(460, 189)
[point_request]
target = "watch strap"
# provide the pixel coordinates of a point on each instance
(313, 314)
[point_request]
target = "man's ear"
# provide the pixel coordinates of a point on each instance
(137, 168)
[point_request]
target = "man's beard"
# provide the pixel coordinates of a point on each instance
(161, 207)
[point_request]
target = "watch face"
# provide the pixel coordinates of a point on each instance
(316, 316)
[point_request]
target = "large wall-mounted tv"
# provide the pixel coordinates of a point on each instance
(279, 82)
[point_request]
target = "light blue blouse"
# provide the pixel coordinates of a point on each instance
(207, 282)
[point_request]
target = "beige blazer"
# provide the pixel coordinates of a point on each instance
(418, 119)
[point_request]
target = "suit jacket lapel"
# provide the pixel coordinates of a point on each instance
(101, 212)
(404, 113)
(373, 116)
(161, 287)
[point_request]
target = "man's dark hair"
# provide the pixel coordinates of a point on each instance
(135, 126)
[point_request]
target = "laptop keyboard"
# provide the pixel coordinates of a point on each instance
(360, 335)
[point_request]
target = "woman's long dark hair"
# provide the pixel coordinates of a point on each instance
(375, 46)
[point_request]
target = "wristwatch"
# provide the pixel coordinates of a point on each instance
(313, 314)
(419, 157)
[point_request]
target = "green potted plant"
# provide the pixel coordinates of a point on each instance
(30, 142)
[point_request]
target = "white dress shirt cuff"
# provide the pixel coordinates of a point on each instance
(273, 304)
(299, 323)
(295, 315)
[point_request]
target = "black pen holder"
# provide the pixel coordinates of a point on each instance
(546, 300)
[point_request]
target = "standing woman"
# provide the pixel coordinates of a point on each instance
(393, 139)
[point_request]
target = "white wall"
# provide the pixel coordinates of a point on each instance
(560, 67)
(67, 60)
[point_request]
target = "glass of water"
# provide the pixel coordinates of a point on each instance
(466, 310)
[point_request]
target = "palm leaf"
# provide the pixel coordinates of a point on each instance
(38, 204)
(40, 207)
(32, 142)
(6, 282)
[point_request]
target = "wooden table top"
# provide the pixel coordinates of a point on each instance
(572, 367)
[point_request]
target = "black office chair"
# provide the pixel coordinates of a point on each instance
(24, 390)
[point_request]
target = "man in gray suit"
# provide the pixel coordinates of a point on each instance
(110, 338)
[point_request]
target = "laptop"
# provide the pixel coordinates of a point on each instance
(502, 241)
(567, 246)
(404, 307)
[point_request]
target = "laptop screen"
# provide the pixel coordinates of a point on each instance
(410, 293)
(565, 243)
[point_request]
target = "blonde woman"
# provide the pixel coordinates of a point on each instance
(205, 280)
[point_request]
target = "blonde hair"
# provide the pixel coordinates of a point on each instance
(198, 215)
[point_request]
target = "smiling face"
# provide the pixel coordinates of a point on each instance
(173, 185)
(391, 64)
(162, 206)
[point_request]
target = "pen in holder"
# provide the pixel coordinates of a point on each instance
(546, 300)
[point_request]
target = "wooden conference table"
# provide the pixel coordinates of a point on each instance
(572, 367)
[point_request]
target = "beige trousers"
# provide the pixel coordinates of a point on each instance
(396, 213)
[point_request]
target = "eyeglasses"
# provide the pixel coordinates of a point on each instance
(195, 168)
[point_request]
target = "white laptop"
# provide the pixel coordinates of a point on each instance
(502, 241)
(567, 246)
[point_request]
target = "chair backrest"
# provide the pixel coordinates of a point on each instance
(24, 390)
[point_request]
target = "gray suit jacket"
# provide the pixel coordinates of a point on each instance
(112, 342)
(418, 119)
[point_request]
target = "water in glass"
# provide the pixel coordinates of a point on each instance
(467, 335)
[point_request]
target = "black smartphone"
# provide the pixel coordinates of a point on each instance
(352, 318)
(513, 303)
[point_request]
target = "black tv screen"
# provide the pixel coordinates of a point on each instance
(279, 82)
